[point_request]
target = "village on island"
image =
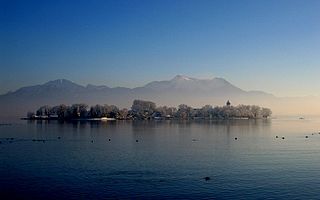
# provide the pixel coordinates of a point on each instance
(147, 110)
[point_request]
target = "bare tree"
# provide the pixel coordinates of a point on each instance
(266, 112)
(43, 111)
(256, 111)
(97, 111)
(184, 111)
(123, 114)
(143, 109)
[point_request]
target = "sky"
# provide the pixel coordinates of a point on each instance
(271, 45)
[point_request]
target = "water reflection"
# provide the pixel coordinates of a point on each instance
(187, 128)
(169, 160)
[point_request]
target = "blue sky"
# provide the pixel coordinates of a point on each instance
(257, 45)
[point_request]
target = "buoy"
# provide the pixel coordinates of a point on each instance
(283, 138)
(59, 137)
(109, 139)
(91, 141)
(207, 178)
(307, 136)
(137, 140)
(277, 136)
(235, 138)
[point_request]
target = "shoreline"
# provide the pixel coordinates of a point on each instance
(136, 119)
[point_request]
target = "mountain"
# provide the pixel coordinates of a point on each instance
(196, 92)
(184, 83)
(178, 90)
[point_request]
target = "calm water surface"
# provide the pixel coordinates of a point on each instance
(161, 160)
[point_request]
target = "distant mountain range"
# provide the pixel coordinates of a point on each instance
(180, 89)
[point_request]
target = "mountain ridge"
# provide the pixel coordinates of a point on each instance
(180, 80)
(178, 90)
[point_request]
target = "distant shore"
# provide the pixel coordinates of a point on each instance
(147, 110)
(76, 119)
(42, 118)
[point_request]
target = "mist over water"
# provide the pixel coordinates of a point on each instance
(161, 159)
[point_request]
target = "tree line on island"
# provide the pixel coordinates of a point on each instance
(141, 110)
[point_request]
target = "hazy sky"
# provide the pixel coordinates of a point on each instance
(257, 45)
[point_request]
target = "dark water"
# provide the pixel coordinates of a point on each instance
(161, 160)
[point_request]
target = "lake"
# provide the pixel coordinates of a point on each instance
(161, 159)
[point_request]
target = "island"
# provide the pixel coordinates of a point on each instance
(147, 110)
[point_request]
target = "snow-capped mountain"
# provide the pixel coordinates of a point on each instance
(185, 83)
